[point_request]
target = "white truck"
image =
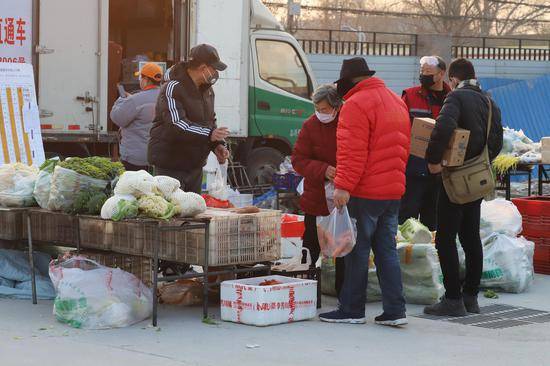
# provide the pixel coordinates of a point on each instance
(85, 47)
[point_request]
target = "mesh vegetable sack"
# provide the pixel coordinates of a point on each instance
(137, 184)
(67, 184)
(167, 185)
(17, 184)
(190, 204)
(111, 208)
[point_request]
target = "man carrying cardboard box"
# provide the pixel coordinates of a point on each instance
(466, 107)
(424, 100)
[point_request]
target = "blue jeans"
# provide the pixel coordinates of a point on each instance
(376, 228)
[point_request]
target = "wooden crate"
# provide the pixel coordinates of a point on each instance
(13, 223)
(126, 236)
(234, 239)
(54, 227)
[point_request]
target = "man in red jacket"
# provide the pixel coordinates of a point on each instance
(373, 139)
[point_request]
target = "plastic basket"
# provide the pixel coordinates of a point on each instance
(535, 212)
(541, 260)
(13, 223)
(234, 239)
(127, 237)
(286, 182)
(54, 227)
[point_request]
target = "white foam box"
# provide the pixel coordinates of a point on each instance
(246, 302)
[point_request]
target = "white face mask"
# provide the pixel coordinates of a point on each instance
(326, 117)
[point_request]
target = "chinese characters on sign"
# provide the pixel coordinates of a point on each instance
(16, 31)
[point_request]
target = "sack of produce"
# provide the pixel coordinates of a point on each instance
(17, 184)
(188, 203)
(92, 296)
(328, 280)
(507, 263)
(500, 216)
(337, 233)
(67, 184)
(414, 232)
(120, 207)
(74, 175)
(43, 183)
(137, 184)
(167, 185)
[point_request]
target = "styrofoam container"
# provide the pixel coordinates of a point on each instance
(246, 302)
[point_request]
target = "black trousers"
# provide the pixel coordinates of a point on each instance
(420, 200)
(311, 241)
(134, 168)
(463, 220)
(190, 180)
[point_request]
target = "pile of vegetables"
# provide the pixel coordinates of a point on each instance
(88, 202)
(95, 167)
(412, 231)
(504, 163)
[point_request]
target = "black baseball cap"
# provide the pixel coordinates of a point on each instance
(206, 54)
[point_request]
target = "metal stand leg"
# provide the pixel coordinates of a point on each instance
(31, 259)
(529, 189)
(540, 169)
(205, 271)
(319, 294)
(156, 244)
(508, 187)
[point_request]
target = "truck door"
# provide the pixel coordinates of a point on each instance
(73, 36)
(282, 89)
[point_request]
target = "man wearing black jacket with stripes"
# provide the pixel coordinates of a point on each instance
(184, 130)
(467, 107)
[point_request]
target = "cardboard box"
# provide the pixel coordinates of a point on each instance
(545, 150)
(420, 137)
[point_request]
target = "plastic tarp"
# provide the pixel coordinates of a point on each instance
(15, 275)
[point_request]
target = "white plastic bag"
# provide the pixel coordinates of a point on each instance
(219, 188)
(67, 184)
(16, 185)
(500, 216)
(507, 263)
(42, 188)
(300, 187)
(329, 195)
(92, 296)
(337, 233)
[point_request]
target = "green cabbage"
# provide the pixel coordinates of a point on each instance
(125, 210)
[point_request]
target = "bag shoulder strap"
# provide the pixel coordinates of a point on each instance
(490, 121)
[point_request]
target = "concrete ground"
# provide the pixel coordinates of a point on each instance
(29, 335)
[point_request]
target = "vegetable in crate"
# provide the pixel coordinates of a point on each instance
(167, 185)
(189, 203)
(137, 184)
(114, 209)
(415, 233)
(156, 207)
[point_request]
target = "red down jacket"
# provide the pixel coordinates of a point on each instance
(373, 140)
(314, 152)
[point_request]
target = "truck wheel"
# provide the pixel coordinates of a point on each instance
(262, 163)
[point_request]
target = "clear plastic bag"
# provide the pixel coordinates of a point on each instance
(16, 185)
(92, 296)
(219, 188)
(67, 184)
(337, 233)
(329, 195)
(500, 216)
(42, 188)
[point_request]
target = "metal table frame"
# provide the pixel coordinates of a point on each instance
(191, 224)
(544, 178)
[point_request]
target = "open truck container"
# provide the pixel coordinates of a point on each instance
(85, 47)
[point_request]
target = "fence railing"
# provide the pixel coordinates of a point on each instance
(343, 42)
(357, 42)
(502, 48)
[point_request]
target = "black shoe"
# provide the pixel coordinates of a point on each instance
(447, 307)
(470, 303)
(339, 316)
(391, 320)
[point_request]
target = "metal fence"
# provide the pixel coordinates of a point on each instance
(342, 42)
(357, 42)
(502, 48)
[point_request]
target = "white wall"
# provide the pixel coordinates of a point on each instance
(401, 72)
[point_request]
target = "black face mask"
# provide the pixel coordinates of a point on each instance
(344, 86)
(427, 81)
